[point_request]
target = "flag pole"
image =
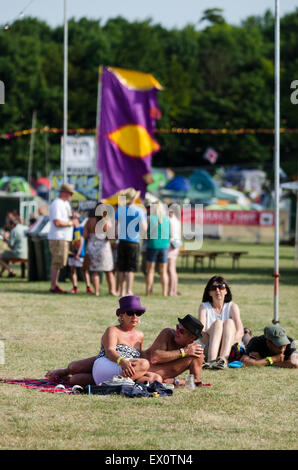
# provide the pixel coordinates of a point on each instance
(100, 69)
(276, 161)
(65, 110)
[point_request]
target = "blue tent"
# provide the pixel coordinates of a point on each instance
(179, 183)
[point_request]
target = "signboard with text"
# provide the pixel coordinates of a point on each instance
(80, 155)
(226, 217)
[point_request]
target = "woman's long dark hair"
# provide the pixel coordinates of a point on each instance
(207, 297)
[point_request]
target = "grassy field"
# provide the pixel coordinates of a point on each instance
(243, 409)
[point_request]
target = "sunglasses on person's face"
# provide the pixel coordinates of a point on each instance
(218, 286)
(180, 330)
(130, 313)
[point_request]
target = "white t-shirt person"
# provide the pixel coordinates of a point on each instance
(60, 210)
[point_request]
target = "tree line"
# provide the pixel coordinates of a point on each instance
(218, 77)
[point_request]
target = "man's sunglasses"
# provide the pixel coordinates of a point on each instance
(218, 286)
(130, 313)
(180, 330)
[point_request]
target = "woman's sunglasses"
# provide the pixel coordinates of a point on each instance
(130, 313)
(218, 286)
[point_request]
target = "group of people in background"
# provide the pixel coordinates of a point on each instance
(153, 232)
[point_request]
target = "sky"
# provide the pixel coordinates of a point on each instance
(169, 13)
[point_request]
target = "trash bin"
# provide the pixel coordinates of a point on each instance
(32, 273)
(38, 249)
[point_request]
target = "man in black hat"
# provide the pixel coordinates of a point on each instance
(175, 351)
(273, 348)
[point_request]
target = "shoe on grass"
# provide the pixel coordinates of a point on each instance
(220, 364)
(208, 365)
(57, 290)
(74, 290)
(89, 291)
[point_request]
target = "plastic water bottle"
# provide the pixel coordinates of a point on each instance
(190, 381)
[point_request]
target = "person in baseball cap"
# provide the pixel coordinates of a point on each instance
(273, 348)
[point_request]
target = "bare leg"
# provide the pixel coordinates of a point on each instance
(111, 282)
(5, 266)
(215, 334)
(121, 280)
(150, 277)
(228, 338)
(129, 282)
(170, 370)
(81, 379)
(86, 277)
(74, 276)
(95, 282)
(173, 277)
(54, 276)
(196, 367)
(151, 377)
(163, 272)
(76, 371)
(247, 336)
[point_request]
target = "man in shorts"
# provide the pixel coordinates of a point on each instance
(60, 234)
(273, 348)
(131, 220)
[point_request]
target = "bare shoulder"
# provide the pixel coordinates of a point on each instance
(166, 333)
(140, 335)
(235, 308)
(202, 307)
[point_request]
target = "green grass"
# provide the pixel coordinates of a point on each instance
(243, 409)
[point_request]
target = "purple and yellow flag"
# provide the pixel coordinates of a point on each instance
(129, 109)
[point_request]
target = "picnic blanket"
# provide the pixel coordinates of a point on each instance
(42, 385)
(58, 385)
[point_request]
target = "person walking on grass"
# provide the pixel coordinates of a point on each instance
(60, 234)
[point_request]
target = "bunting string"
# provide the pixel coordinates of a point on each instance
(174, 130)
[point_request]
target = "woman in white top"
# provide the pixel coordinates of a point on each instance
(222, 324)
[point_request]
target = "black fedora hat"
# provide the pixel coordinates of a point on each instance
(192, 324)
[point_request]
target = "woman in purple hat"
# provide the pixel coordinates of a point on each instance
(121, 346)
(120, 352)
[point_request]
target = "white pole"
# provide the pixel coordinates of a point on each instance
(98, 122)
(277, 161)
(31, 151)
(65, 111)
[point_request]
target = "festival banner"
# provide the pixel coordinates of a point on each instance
(227, 217)
(128, 111)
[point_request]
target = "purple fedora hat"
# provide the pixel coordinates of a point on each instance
(129, 302)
